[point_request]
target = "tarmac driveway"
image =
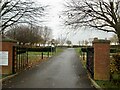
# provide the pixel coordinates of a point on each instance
(61, 71)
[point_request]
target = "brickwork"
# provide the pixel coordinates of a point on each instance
(7, 46)
(101, 59)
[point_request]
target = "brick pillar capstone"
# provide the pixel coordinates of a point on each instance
(101, 59)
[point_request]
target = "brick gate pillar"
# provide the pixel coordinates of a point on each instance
(101, 59)
(6, 55)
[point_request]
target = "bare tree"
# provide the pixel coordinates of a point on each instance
(56, 42)
(83, 42)
(25, 34)
(46, 34)
(62, 41)
(68, 42)
(99, 14)
(114, 39)
(13, 12)
(86, 42)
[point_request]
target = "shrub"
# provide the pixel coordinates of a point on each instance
(116, 58)
(115, 68)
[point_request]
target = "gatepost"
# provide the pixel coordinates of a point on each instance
(6, 55)
(101, 59)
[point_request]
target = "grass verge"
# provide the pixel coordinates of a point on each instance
(59, 50)
(79, 52)
(107, 84)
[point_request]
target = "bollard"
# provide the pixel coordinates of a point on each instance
(48, 53)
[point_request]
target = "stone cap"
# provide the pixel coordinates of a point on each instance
(96, 40)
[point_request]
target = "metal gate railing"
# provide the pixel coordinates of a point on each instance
(90, 61)
(20, 58)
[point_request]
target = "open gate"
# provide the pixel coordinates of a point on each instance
(90, 61)
(20, 58)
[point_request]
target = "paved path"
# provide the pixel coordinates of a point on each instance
(62, 71)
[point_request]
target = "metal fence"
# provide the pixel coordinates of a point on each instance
(89, 59)
(20, 56)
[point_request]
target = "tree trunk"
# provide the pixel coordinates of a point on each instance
(118, 32)
(118, 39)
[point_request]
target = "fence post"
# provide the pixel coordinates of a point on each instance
(48, 53)
(90, 61)
(13, 62)
(42, 55)
(51, 50)
(83, 55)
(27, 58)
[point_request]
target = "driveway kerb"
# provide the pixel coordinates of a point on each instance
(8, 77)
(95, 84)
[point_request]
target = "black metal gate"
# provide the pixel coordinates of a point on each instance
(90, 61)
(20, 58)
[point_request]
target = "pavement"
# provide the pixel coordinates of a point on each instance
(61, 71)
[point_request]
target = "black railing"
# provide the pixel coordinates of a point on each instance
(44, 49)
(20, 56)
(89, 59)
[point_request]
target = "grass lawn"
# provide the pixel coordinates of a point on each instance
(79, 52)
(0, 76)
(108, 84)
(59, 50)
(36, 57)
(3, 76)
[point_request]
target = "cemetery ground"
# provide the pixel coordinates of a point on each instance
(35, 60)
(61, 71)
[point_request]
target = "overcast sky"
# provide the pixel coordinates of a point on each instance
(54, 22)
